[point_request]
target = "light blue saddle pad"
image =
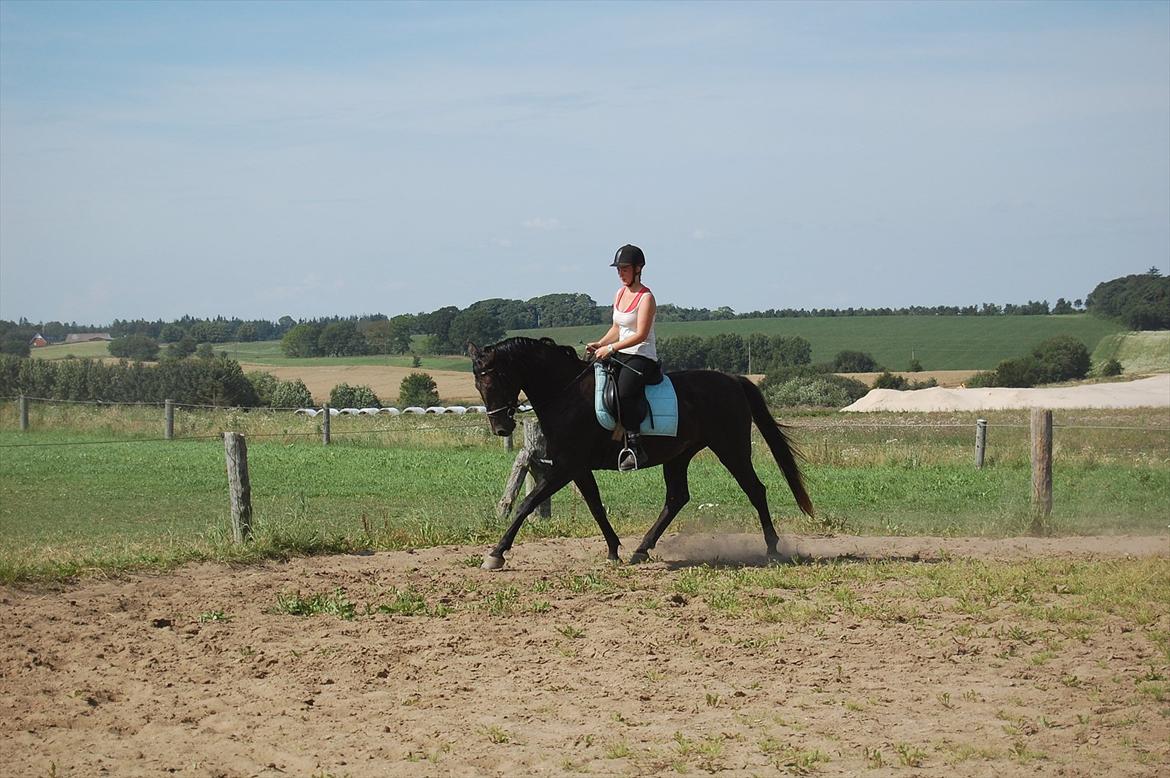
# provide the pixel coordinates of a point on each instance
(663, 416)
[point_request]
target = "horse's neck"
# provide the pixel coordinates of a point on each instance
(543, 381)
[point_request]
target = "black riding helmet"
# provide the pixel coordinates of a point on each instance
(628, 255)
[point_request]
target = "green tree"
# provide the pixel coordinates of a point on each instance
(788, 351)
(1141, 301)
(303, 340)
(418, 389)
(1061, 358)
(182, 348)
(854, 362)
(437, 325)
(1111, 368)
(475, 325)
(346, 396)
(341, 339)
(683, 352)
(888, 380)
(292, 394)
(139, 348)
(727, 351)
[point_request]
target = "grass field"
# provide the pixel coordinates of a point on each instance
(938, 342)
(1138, 352)
(96, 488)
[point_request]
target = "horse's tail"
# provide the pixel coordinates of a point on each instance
(783, 451)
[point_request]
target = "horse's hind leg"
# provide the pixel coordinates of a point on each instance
(587, 485)
(739, 463)
(678, 494)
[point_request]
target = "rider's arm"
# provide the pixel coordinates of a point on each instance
(606, 339)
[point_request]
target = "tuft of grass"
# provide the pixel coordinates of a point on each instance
(208, 617)
(410, 602)
(334, 603)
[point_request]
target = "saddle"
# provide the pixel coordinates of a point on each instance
(660, 402)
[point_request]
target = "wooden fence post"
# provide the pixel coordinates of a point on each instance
(22, 404)
(508, 442)
(1041, 470)
(531, 460)
(325, 425)
(980, 441)
(538, 462)
(239, 485)
(170, 416)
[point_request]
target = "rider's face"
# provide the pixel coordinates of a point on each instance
(626, 273)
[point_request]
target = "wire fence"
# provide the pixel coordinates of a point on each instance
(1151, 435)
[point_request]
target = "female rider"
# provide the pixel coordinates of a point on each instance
(631, 338)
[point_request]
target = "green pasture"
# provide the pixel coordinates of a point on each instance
(1138, 352)
(96, 489)
(938, 342)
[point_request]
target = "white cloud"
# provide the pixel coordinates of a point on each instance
(542, 223)
(701, 234)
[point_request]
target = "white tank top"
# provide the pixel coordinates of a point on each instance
(627, 322)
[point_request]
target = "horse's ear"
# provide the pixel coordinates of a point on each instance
(473, 352)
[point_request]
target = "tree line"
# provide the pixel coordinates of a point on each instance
(1140, 301)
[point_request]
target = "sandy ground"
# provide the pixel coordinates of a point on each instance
(1151, 392)
(122, 677)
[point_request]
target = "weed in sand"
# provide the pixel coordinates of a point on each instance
(571, 632)
(794, 760)
(334, 603)
(410, 602)
(208, 617)
(910, 755)
(618, 749)
(502, 602)
(1019, 752)
(497, 735)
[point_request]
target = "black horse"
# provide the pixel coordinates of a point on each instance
(715, 411)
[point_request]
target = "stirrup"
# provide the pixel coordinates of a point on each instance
(632, 454)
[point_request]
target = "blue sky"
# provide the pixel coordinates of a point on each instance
(310, 159)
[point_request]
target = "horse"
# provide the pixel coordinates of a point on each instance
(715, 410)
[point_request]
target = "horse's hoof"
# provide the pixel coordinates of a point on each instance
(638, 557)
(491, 562)
(614, 560)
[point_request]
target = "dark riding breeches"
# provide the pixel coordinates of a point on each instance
(631, 386)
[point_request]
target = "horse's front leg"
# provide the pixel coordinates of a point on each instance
(548, 485)
(587, 485)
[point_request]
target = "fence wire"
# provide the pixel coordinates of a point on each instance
(841, 425)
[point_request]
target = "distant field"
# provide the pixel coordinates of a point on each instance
(1138, 352)
(938, 342)
(95, 350)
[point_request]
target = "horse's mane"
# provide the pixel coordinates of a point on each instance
(531, 348)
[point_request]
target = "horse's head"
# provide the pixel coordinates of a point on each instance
(500, 390)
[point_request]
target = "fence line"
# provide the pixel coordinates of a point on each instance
(219, 435)
(797, 425)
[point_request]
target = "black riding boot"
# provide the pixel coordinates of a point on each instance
(632, 456)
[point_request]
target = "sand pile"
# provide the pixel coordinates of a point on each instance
(1152, 392)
